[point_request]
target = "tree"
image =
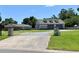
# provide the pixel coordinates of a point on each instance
(9, 21)
(70, 13)
(15, 22)
(77, 9)
(62, 14)
(30, 21)
(33, 21)
(66, 14)
(72, 21)
(0, 18)
(54, 17)
(1, 26)
(25, 21)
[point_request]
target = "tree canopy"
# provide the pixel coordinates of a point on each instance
(72, 21)
(54, 17)
(77, 9)
(67, 13)
(0, 18)
(9, 21)
(30, 21)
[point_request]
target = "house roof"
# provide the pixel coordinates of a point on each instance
(50, 21)
(17, 25)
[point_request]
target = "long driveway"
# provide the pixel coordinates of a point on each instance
(29, 40)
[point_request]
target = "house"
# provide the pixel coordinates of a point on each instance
(50, 24)
(18, 26)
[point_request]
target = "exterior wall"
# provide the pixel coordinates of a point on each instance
(49, 26)
(37, 26)
(42, 26)
(60, 26)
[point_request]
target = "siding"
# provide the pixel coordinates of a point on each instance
(50, 26)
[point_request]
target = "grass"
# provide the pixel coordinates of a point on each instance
(23, 31)
(69, 40)
(5, 33)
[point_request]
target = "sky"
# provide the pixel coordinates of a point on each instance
(19, 12)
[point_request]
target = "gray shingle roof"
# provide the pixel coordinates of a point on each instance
(50, 21)
(17, 25)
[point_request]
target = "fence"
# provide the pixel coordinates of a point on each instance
(72, 27)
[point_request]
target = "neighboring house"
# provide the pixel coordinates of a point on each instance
(50, 24)
(19, 26)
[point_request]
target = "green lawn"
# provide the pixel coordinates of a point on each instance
(5, 33)
(69, 40)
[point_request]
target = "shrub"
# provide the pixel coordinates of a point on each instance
(56, 32)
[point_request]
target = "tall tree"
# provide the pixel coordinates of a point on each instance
(31, 21)
(54, 17)
(1, 26)
(62, 14)
(65, 14)
(77, 9)
(26, 21)
(70, 13)
(0, 18)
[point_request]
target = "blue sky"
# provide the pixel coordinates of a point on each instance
(18, 12)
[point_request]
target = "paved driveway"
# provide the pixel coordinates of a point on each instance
(32, 40)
